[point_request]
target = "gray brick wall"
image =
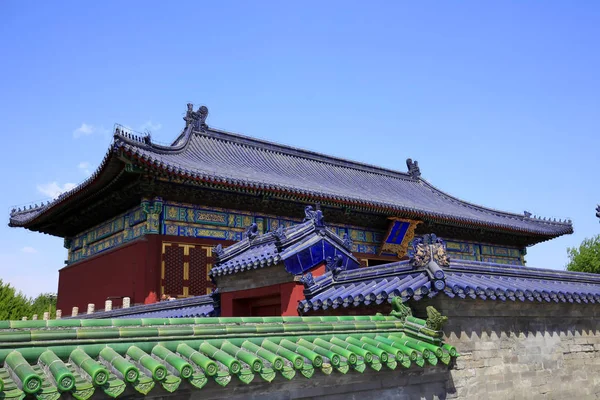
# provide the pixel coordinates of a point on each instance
(521, 350)
(400, 384)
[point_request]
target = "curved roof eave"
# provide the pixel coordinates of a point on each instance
(28, 217)
(385, 208)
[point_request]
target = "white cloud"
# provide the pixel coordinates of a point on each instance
(84, 167)
(83, 130)
(29, 250)
(87, 130)
(53, 189)
(148, 125)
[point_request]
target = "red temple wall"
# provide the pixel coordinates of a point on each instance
(131, 270)
(274, 300)
(142, 270)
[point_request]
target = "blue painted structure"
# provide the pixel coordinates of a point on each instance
(299, 248)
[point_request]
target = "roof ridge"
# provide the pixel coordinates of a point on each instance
(290, 150)
(468, 266)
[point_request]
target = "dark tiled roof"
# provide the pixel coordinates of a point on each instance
(299, 248)
(237, 161)
(462, 279)
(198, 306)
(501, 282)
(108, 358)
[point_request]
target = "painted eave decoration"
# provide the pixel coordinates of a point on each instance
(430, 272)
(121, 357)
(212, 157)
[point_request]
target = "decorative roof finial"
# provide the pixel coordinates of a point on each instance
(218, 252)
(429, 248)
(307, 280)
(348, 243)
(413, 168)
(252, 231)
(279, 233)
(311, 215)
(527, 214)
(597, 211)
(335, 264)
(196, 118)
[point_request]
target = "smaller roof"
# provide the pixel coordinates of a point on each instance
(427, 276)
(488, 281)
(197, 306)
(299, 248)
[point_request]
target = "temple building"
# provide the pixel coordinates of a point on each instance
(297, 275)
(146, 221)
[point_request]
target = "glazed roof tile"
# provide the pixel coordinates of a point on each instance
(462, 279)
(490, 281)
(109, 358)
(197, 306)
(225, 158)
(298, 247)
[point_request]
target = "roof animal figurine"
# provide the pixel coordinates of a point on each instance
(348, 242)
(314, 215)
(435, 320)
(413, 168)
(252, 231)
(598, 211)
(307, 280)
(279, 233)
(196, 118)
(218, 252)
(334, 264)
(399, 310)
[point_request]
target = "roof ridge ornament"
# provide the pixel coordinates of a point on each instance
(252, 231)
(348, 242)
(218, 253)
(307, 280)
(413, 168)
(196, 118)
(598, 211)
(429, 248)
(316, 216)
(335, 264)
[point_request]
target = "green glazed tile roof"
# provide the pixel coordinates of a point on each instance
(47, 359)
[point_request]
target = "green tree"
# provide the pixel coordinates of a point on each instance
(45, 302)
(585, 258)
(13, 305)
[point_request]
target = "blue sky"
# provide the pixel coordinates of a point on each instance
(498, 101)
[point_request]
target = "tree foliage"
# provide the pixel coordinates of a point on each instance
(585, 258)
(15, 305)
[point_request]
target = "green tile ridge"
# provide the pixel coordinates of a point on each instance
(88, 359)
